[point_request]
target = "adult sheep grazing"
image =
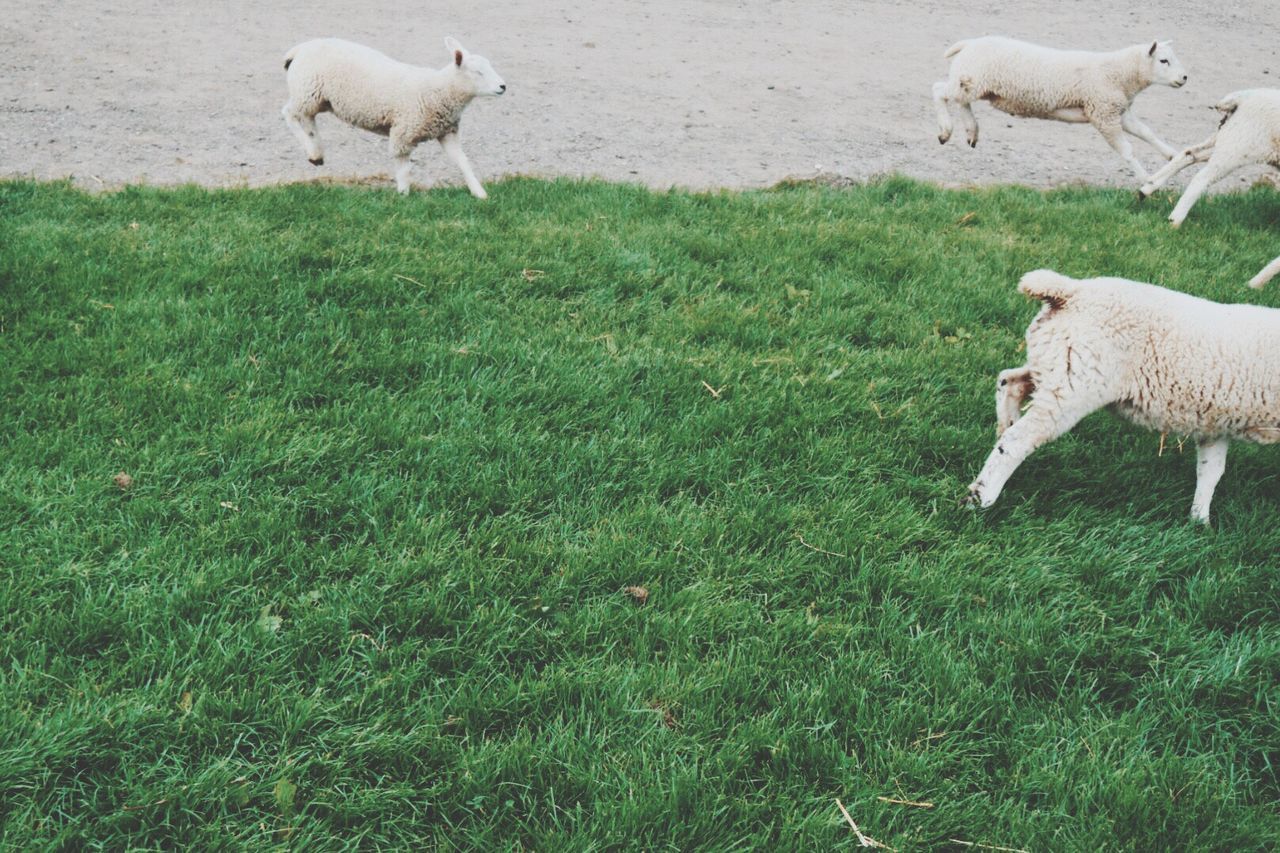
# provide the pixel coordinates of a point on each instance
(1028, 80)
(403, 102)
(1162, 359)
(1248, 134)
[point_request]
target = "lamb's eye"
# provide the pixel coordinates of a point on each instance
(1164, 62)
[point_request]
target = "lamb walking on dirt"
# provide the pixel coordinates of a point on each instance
(403, 102)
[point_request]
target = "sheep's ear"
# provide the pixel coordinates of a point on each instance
(1152, 52)
(454, 45)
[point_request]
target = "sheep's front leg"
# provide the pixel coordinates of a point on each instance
(1266, 274)
(1012, 387)
(1211, 461)
(403, 167)
(1135, 126)
(1109, 125)
(944, 114)
(1194, 154)
(449, 142)
(1043, 422)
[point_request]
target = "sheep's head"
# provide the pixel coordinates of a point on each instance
(1165, 67)
(475, 69)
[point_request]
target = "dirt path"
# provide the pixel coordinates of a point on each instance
(696, 93)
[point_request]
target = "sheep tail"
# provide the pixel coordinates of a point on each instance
(1230, 103)
(954, 49)
(288, 59)
(1228, 106)
(1049, 287)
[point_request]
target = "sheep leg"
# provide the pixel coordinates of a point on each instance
(1268, 272)
(1135, 126)
(304, 127)
(401, 148)
(449, 142)
(1012, 387)
(1216, 169)
(1194, 154)
(1211, 461)
(1071, 114)
(944, 114)
(970, 123)
(1112, 130)
(1047, 419)
(403, 167)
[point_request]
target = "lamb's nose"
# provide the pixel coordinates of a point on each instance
(503, 87)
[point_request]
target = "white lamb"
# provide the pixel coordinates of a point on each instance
(370, 90)
(1248, 134)
(1028, 80)
(1162, 359)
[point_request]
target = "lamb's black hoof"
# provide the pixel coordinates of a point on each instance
(972, 500)
(973, 144)
(319, 161)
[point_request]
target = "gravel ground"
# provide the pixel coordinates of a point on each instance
(696, 93)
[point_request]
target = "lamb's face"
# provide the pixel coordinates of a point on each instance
(485, 79)
(1165, 67)
(475, 69)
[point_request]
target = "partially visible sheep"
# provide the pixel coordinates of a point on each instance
(1265, 274)
(370, 90)
(1028, 80)
(1249, 133)
(1162, 359)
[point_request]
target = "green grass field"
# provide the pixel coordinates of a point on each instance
(395, 460)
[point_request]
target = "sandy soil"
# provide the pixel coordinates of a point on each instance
(696, 93)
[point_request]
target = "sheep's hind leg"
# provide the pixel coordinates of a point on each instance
(449, 142)
(304, 127)
(1043, 422)
(944, 114)
(1214, 170)
(1211, 461)
(1012, 387)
